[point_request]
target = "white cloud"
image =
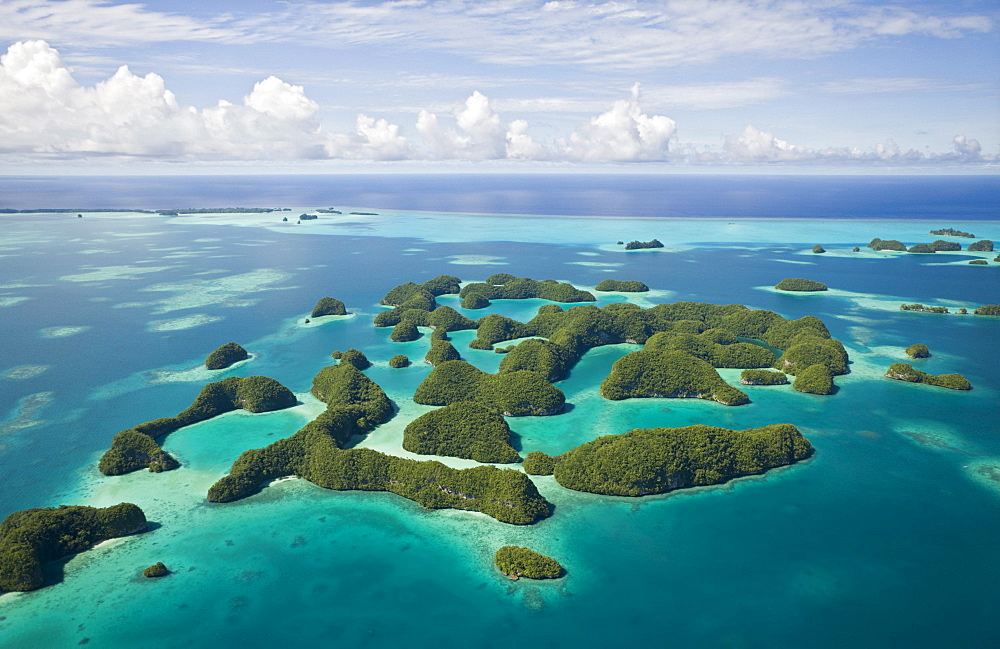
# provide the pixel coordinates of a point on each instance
(753, 145)
(621, 134)
(878, 85)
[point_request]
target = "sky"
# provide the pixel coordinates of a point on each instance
(512, 85)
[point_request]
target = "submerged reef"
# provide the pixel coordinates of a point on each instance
(30, 538)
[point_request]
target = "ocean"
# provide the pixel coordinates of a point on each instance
(885, 538)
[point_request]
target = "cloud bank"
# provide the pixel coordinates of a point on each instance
(46, 113)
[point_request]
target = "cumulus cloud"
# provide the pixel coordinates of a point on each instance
(621, 134)
(753, 145)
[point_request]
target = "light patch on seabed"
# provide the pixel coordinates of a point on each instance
(135, 235)
(23, 372)
(102, 273)
(20, 284)
(643, 299)
(415, 250)
(98, 299)
(224, 291)
(207, 240)
(11, 301)
(97, 251)
(589, 254)
(196, 374)
(187, 322)
(596, 264)
(476, 260)
(132, 305)
(794, 261)
(985, 472)
(23, 415)
(931, 434)
(611, 247)
(61, 332)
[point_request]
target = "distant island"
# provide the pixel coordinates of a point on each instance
(328, 306)
(889, 244)
(517, 562)
(799, 284)
(642, 245)
(620, 286)
(951, 232)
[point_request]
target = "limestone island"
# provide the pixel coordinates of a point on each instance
(799, 284)
(30, 538)
(517, 562)
(647, 461)
(156, 570)
(763, 377)
(642, 245)
(622, 286)
(988, 309)
(951, 232)
(979, 262)
(984, 245)
(889, 244)
(818, 249)
(463, 429)
(905, 372)
(922, 308)
(922, 248)
(398, 361)
(503, 286)
(945, 246)
(328, 306)
(918, 350)
(138, 447)
(225, 356)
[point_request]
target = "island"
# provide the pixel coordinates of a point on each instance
(921, 248)
(621, 286)
(988, 309)
(979, 262)
(517, 393)
(945, 246)
(799, 284)
(905, 372)
(475, 300)
(984, 245)
(463, 429)
(918, 350)
(666, 374)
(815, 379)
(156, 570)
(503, 286)
(818, 249)
(398, 361)
(308, 217)
(889, 244)
(404, 331)
(643, 245)
(951, 232)
(647, 461)
(354, 357)
(225, 356)
(30, 538)
(924, 309)
(538, 463)
(328, 306)
(441, 350)
(138, 447)
(763, 377)
(517, 562)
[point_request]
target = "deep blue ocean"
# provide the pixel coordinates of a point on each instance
(885, 538)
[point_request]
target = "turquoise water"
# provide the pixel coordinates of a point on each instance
(885, 538)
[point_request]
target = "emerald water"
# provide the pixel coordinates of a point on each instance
(884, 538)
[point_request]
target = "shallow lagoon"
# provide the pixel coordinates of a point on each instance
(885, 538)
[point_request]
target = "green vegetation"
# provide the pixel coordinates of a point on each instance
(137, 447)
(307, 217)
(538, 463)
(463, 429)
(979, 262)
(818, 249)
(988, 309)
(810, 350)
(519, 288)
(889, 244)
(921, 248)
(945, 246)
(354, 357)
(717, 347)
(905, 372)
(355, 404)
(656, 460)
(404, 332)
(156, 570)
(517, 562)
(30, 538)
(918, 350)
(815, 379)
(640, 245)
(474, 300)
(951, 232)
(547, 358)
(622, 286)
(763, 377)
(420, 297)
(922, 308)
(398, 361)
(328, 306)
(984, 245)
(515, 394)
(799, 284)
(668, 374)
(441, 351)
(225, 356)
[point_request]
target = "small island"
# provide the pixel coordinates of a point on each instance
(516, 394)
(517, 562)
(643, 245)
(979, 262)
(398, 361)
(945, 246)
(156, 570)
(918, 350)
(328, 306)
(818, 249)
(30, 538)
(889, 244)
(225, 356)
(503, 286)
(763, 377)
(988, 309)
(463, 429)
(621, 286)
(905, 372)
(921, 248)
(308, 217)
(922, 308)
(799, 284)
(984, 245)
(951, 232)
(815, 379)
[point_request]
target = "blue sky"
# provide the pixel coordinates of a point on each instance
(500, 84)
